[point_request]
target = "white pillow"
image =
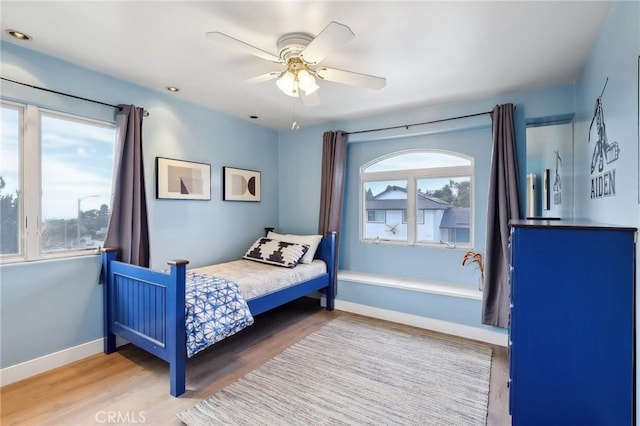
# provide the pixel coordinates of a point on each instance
(311, 240)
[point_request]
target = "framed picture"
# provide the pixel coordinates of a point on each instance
(182, 180)
(240, 184)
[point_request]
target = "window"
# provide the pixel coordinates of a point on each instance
(386, 201)
(55, 183)
(424, 198)
(419, 218)
(376, 216)
(10, 206)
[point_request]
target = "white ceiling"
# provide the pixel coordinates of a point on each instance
(429, 52)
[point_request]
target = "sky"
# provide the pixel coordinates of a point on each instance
(415, 160)
(77, 162)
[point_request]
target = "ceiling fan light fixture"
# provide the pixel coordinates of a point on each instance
(288, 84)
(311, 89)
(307, 82)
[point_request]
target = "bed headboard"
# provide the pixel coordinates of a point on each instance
(327, 250)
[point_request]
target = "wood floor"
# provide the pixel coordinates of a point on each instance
(132, 387)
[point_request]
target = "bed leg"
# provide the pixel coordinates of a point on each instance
(177, 372)
(108, 255)
(330, 298)
(177, 336)
(109, 343)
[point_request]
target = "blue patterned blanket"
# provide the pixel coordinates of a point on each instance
(215, 309)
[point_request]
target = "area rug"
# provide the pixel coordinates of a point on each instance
(353, 372)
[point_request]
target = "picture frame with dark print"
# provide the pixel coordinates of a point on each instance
(182, 180)
(241, 184)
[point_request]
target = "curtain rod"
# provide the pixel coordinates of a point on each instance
(406, 126)
(145, 112)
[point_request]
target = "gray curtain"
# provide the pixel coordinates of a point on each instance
(334, 164)
(504, 205)
(128, 228)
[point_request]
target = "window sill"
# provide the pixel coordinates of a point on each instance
(423, 286)
(433, 244)
(70, 255)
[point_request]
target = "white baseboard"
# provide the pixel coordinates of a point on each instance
(48, 362)
(446, 327)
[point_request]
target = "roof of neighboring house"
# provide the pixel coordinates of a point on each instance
(425, 202)
(455, 217)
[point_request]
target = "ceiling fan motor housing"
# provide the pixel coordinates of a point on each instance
(292, 44)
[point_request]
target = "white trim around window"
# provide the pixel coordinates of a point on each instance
(462, 167)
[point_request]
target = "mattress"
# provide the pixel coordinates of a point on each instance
(257, 279)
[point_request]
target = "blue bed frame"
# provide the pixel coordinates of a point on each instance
(147, 307)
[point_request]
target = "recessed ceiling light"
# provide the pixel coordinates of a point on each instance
(19, 35)
(173, 89)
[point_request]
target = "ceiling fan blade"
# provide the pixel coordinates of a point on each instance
(351, 78)
(233, 43)
(310, 100)
(333, 36)
(263, 77)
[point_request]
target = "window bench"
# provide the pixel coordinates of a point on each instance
(433, 287)
(443, 307)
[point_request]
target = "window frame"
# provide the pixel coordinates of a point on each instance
(412, 176)
(30, 182)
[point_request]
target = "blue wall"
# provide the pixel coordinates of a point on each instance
(46, 306)
(301, 150)
(417, 262)
(615, 56)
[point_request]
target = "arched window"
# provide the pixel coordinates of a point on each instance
(418, 197)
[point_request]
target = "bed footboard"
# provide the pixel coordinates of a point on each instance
(147, 308)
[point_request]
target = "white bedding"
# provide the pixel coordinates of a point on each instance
(257, 279)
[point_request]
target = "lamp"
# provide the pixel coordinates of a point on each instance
(288, 84)
(306, 82)
(297, 77)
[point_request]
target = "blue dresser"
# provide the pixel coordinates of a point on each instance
(572, 324)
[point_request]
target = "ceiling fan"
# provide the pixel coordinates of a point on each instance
(301, 53)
